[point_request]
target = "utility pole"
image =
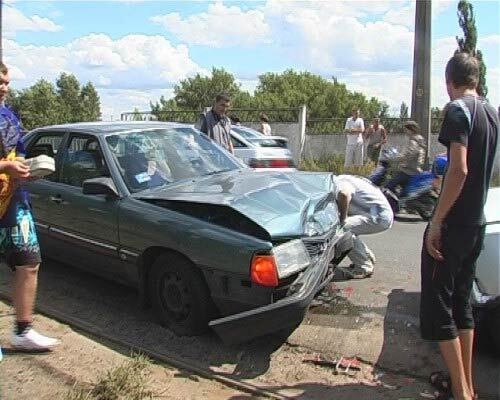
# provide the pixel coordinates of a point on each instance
(421, 90)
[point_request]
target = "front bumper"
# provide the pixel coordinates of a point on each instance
(288, 312)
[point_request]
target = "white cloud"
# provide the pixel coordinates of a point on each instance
(133, 61)
(15, 21)
(138, 65)
(440, 6)
(116, 101)
(401, 16)
(219, 26)
(323, 40)
(404, 14)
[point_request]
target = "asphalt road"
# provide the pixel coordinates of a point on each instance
(375, 318)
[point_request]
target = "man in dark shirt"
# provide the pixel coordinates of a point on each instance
(216, 124)
(454, 238)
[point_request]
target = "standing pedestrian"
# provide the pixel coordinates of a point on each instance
(454, 238)
(216, 124)
(18, 239)
(265, 128)
(377, 137)
(354, 127)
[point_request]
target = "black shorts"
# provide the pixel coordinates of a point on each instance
(19, 244)
(445, 305)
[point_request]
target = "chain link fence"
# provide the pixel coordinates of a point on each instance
(192, 116)
(330, 126)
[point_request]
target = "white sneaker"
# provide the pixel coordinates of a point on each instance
(359, 272)
(33, 341)
(1, 356)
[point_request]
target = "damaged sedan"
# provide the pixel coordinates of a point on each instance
(207, 241)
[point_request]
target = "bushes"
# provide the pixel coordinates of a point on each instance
(335, 163)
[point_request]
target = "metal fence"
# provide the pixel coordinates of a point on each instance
(330, 126)
(192, 116)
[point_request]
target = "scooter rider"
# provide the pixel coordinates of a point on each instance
(363, 210)
(413, 158)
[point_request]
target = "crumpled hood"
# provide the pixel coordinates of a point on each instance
(287, 204)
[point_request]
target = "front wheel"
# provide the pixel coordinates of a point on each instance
(179, 295)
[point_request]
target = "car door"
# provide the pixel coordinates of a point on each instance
(84, 228)
(47, 143)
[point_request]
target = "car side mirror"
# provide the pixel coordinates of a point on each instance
(102, 185)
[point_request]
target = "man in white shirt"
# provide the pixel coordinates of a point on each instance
(354, 127)
(363, 210)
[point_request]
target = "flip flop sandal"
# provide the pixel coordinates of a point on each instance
(440, 381)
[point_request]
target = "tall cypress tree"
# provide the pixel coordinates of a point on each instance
(468, 43)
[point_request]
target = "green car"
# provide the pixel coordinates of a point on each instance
(206, 240)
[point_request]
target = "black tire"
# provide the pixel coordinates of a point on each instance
(179, 295)
(425, 213)
(493, 327)
(424, 206)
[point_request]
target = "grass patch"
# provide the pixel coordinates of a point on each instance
(128, 381)
(335, 164)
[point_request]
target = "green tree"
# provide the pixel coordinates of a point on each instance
(68, 90)
(199, 91)
(323, 98)
(37, 105)
(403, 111)
(291, 89)
(44, 104)
(467, 22)
(90, 104)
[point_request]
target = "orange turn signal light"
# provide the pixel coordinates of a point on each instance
(264, 271)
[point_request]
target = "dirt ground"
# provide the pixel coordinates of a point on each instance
(81, 361)
(376, 319)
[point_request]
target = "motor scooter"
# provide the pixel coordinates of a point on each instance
(419, 196)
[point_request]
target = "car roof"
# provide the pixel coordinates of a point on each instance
(103, 128)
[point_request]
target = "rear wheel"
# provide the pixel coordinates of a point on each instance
(424, 206)
(179, 295)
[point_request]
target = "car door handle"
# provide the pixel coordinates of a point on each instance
(56, 199)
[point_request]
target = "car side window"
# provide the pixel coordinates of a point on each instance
(46, 144)
(237, 143)
(82, 160)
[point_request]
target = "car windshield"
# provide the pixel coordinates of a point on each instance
(247, 133)
(154, 157)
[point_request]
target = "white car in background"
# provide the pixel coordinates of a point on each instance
(260, 151)
(486, 294)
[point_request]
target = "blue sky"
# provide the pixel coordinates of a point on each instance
(134, 51)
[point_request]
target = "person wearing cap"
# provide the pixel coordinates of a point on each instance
(413, 158)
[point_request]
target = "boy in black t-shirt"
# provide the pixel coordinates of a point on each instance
(454, 238)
